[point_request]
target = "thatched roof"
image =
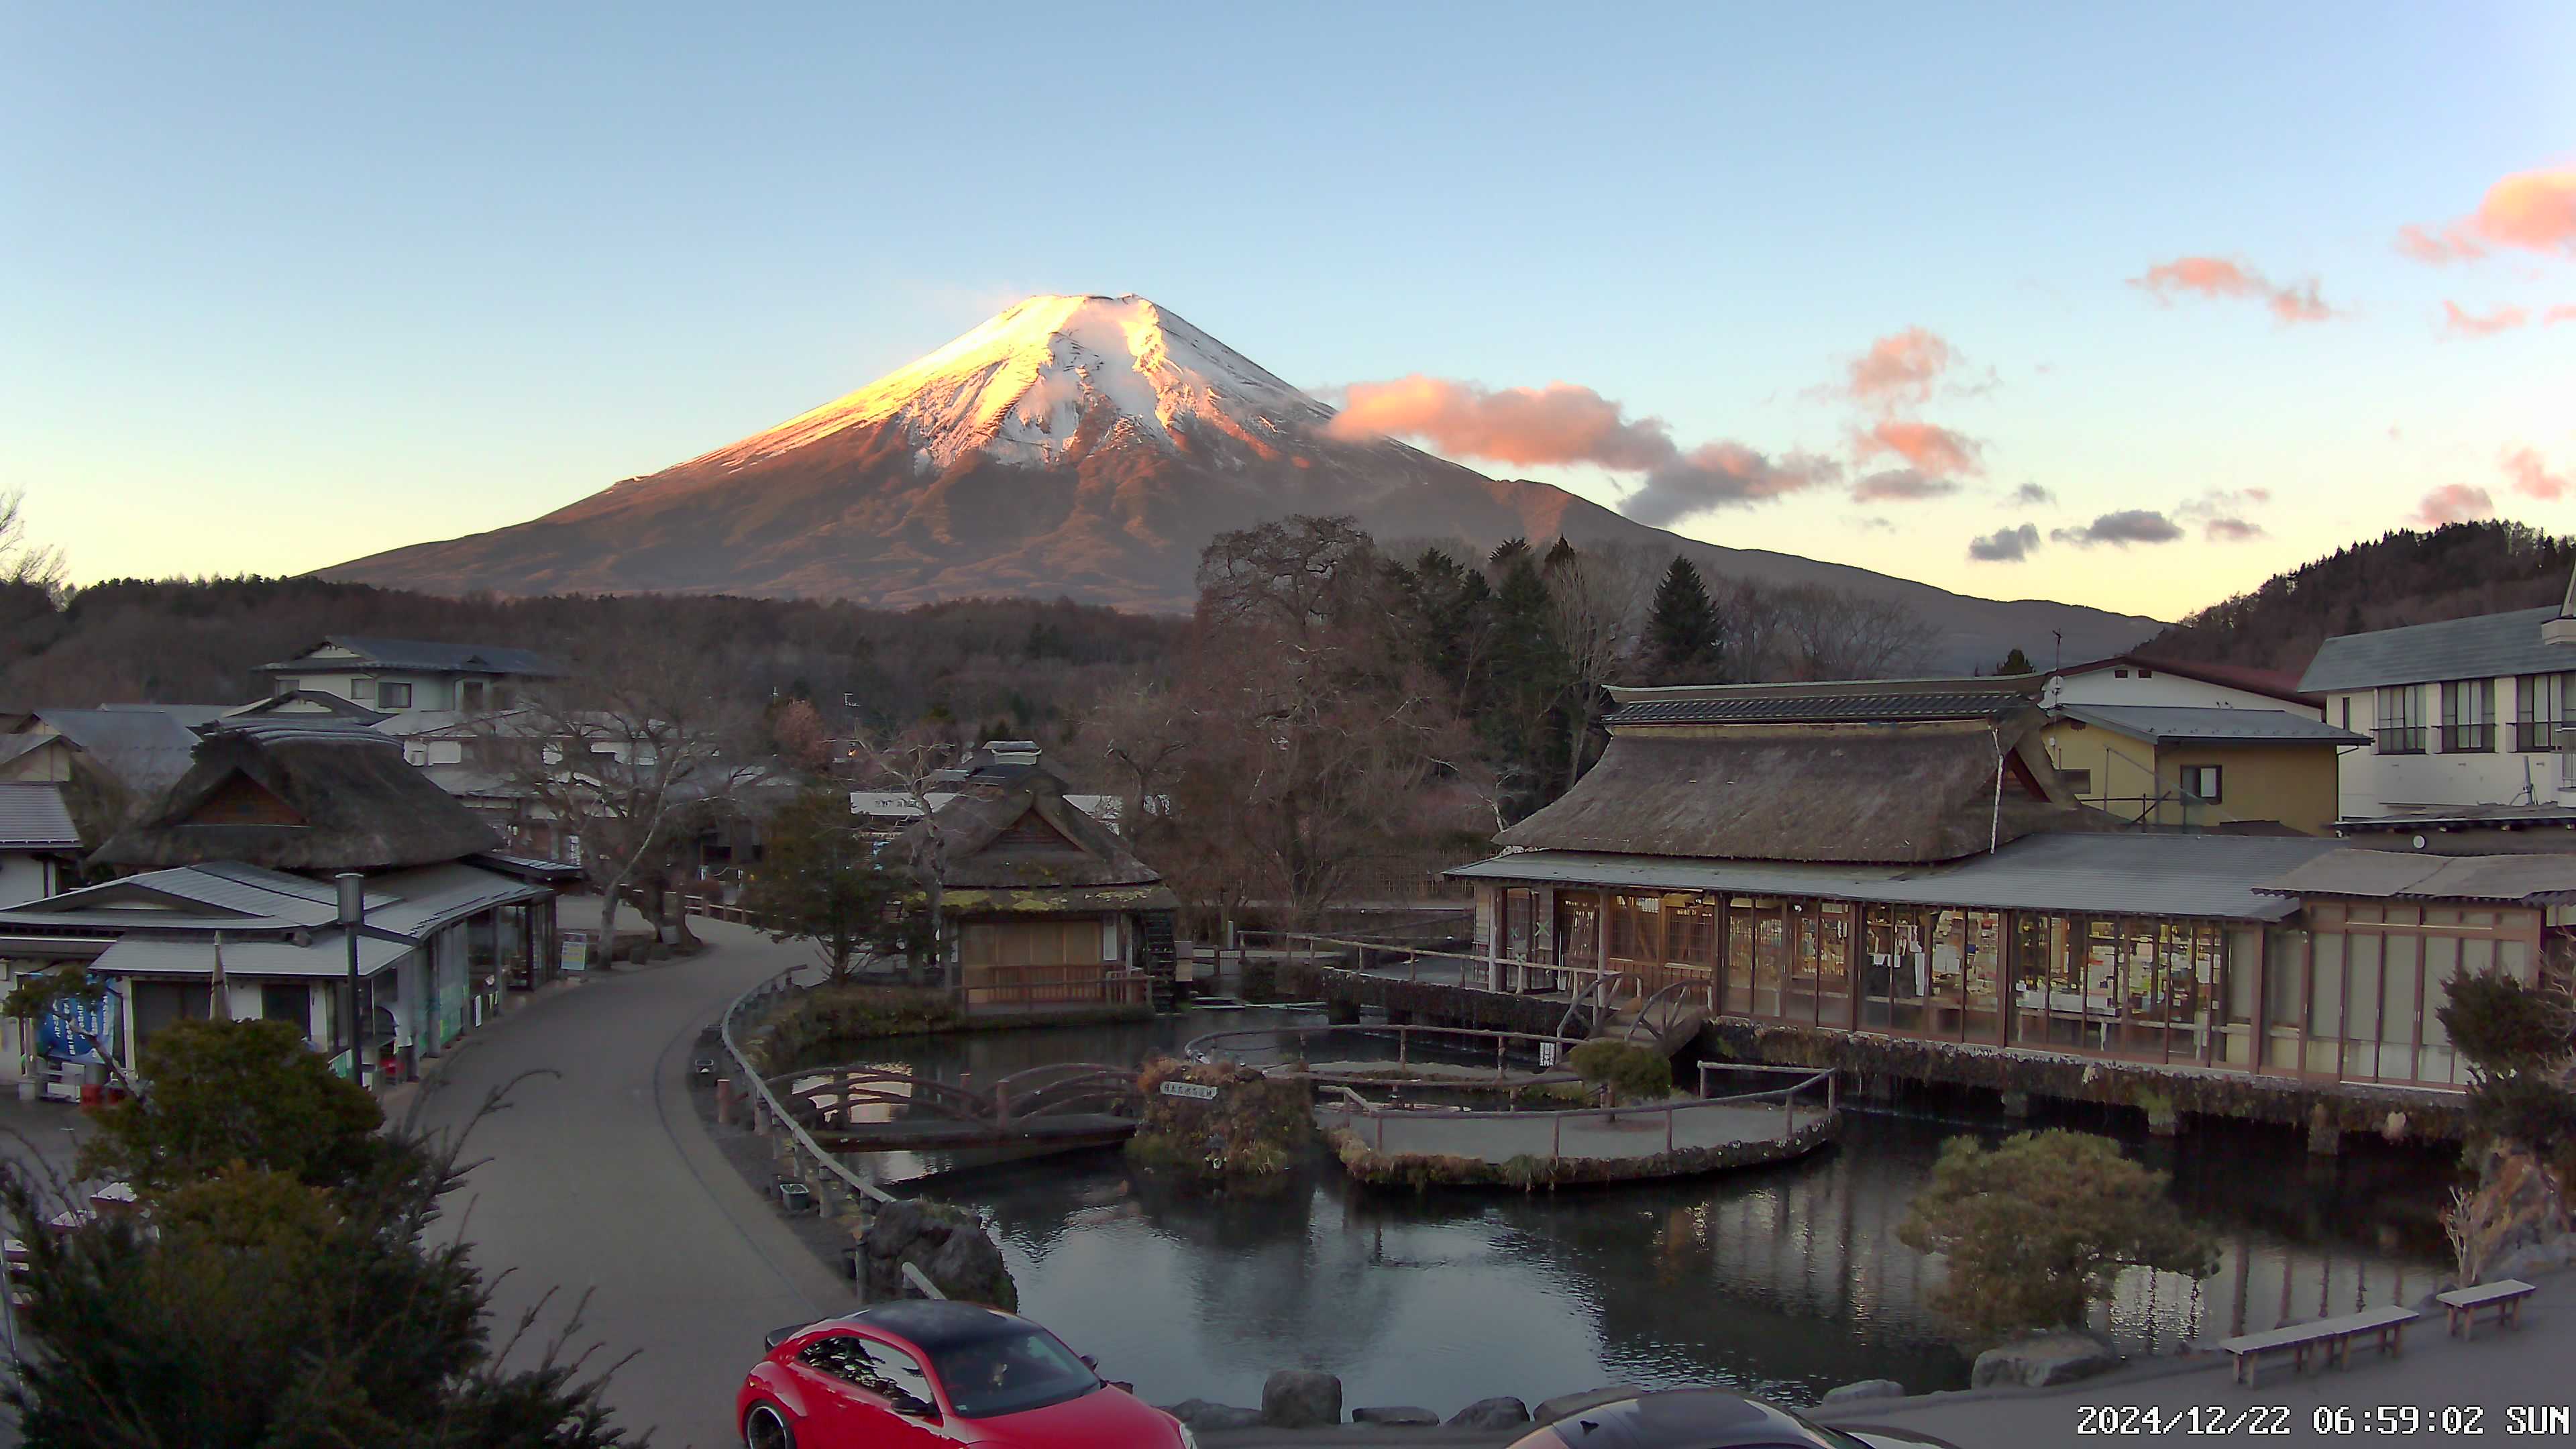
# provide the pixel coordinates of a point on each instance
(302, 798)
(1895, 793)
(1009, 827)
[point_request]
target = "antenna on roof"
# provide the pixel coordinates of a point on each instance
(2057, 661)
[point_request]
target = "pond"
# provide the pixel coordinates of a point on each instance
(1783, 1281)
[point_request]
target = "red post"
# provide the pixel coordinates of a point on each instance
(1668, 1129)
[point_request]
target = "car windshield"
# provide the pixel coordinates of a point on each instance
(1011, 1373)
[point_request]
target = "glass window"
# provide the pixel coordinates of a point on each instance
(2399, 719)
(2540, 709)
(2201, 782)
(393, 696)
(1011, 1373)
(2079, 781)
(2468, 716)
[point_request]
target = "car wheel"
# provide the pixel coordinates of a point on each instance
(766, 1428)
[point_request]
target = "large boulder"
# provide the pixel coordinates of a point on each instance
(1865, 1389)
(1301, 1399)
(2036, 1363)
(1397, 1417)
(1200, 1414)
(1497, 1413)
(1565, 1406)
(946, 1243)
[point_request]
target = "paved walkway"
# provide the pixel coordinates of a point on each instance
(1500, 1139)
(2498, 1372)
(603, 1180)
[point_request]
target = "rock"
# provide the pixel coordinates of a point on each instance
(1405, 1417)
(1865, 1389)
(970, 1267)
(1200, 1414)
(2035, 1363)
(1568, 1405)
(1502, 1413)
(1301, 1399)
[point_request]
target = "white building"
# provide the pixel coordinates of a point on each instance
(39, 845)
(2470, 725)
(396, 676)
(2129, 679)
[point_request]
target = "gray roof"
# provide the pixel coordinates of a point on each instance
(33, 817)
(2139, 874)
(426, 655)
(261, 913)
(146, 750)
(1815, 708)
(2186, 724)
(2484, 647)
(2413, 817)
(2393, 875)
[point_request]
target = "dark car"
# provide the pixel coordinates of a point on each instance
(1708, 1419)
(931, 1373)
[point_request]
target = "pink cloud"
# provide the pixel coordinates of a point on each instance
(1934, 449)
(2563, 312)
(1901, 367)
(2453, 503)
(1559, 423)
(2469, 324)
(2531, 477)
(2530, 210)
(2218, 277)
(2231, 530)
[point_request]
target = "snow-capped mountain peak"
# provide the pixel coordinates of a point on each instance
(1020, 387)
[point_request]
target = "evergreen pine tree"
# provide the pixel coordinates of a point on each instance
(2015, 663)
(1682, 633)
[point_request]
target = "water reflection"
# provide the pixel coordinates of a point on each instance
(1784, 1281)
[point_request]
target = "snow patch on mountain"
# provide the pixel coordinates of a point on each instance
(1020, 386)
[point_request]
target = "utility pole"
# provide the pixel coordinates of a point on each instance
(353, 914)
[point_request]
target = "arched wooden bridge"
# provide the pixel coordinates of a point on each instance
(876, 1108)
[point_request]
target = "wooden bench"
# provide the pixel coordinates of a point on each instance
(2334, 1335)
(2504, 1296)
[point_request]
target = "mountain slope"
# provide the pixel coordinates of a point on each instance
(1086, 447)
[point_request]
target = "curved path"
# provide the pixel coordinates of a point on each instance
(603, 1180)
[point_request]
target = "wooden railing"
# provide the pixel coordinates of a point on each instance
(1810, 1084)
(1067, 984)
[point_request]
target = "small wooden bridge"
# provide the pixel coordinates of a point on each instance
(874, 1108)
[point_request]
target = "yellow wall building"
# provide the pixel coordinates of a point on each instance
(2201, 769)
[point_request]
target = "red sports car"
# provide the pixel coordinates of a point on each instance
(916, 1374)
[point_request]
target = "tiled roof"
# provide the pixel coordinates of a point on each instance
(2181, 723)
(1816, 708)
(2487, 646)
(2394, 875)
(32, 817)
(2124, 873)
(427, 655)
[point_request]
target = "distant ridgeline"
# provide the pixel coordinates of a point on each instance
(2406, 576)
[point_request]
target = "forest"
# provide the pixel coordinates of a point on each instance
(2405, 576)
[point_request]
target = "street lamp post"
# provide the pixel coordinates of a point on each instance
(353, 914)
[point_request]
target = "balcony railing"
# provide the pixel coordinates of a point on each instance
(2463, 739)
(2534, 736)
(2404, 740)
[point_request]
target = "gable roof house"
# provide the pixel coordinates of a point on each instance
(396, 675)
(1048, 909)
(39, 844)
(113, 760)
(233, 908)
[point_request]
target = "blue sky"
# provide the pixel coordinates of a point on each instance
(281, 291)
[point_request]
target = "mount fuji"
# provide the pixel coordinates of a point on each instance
(1087, 447)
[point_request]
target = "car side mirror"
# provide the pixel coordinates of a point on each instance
(912, 1406)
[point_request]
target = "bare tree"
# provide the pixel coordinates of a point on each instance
(1598, 598)
(619, 753)
(28, 564)
(1840, 635)
(1138, 739)
(909, 764)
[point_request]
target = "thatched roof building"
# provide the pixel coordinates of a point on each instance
(1884, 773)
(316, 797)
(1010, 827)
